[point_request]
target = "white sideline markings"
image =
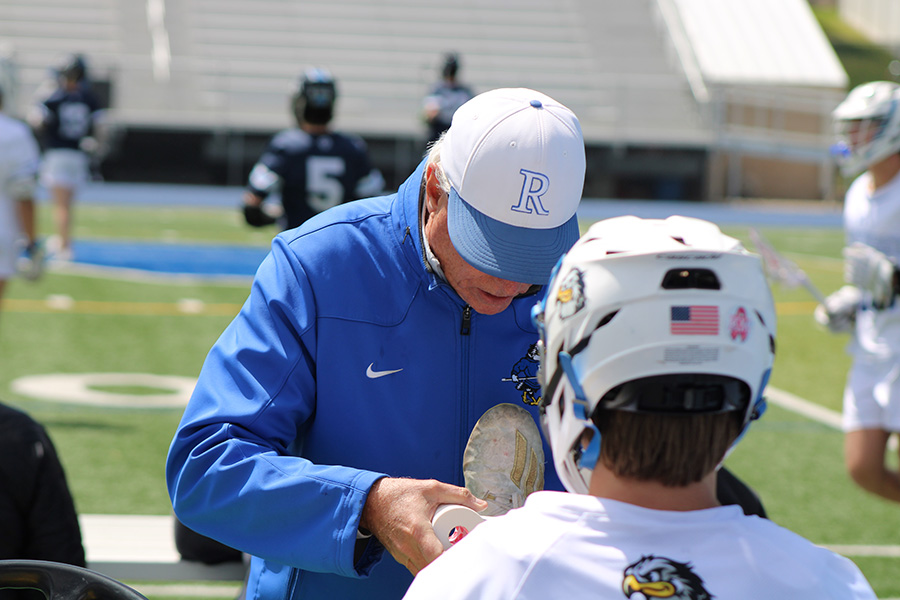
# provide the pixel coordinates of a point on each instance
(142, 548)
(196, 590)
(832, 419)
(813, 411)
(803, 407)
(864, 550)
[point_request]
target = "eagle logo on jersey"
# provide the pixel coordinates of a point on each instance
(659, 577)
(570, 297)
(524, 375)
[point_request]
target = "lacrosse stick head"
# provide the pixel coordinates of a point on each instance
(647, 315)
(504, 458)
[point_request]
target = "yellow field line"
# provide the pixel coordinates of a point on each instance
(63, 305)
(94, 307)
(795, 308)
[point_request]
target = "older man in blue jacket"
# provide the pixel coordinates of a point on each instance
(330, 418)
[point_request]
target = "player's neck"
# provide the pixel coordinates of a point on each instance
(651, 494)
(884, 171)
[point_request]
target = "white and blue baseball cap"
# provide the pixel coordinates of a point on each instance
(515, 161)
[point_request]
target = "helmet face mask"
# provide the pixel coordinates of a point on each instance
(652, 316)
(451, 66)
(73, 68)
(867, 126)
(314, 100)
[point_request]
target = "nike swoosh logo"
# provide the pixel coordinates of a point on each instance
(372, 374)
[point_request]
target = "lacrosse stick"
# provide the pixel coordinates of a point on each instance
(502, 464)
(782, 270)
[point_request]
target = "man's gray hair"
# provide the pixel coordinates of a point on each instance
(434, 157)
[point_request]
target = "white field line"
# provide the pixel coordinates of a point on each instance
(813, 411)
(832, 419)
(803, 407)
(193, 590)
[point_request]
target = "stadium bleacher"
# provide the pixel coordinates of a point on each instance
(661, 119)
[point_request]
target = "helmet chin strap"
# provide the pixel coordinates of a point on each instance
(759, 408)
(585, 458)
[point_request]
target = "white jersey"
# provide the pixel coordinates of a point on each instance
(874, 219)
(561, 545)
(19, 162)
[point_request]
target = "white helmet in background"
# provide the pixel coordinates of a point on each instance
(647, 315)
(867, 126)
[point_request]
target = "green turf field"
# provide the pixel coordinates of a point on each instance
(114, 457)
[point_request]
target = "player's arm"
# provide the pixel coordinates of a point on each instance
(254, 214)
(263, 180)
(21, 189)
(370, 185)
(38, 116)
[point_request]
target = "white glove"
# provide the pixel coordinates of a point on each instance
(871, 271)
(838, 313)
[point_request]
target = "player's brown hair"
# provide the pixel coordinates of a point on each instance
(675, 450)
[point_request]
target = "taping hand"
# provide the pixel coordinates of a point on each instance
(399, 511)
(870, 270)
(838, 313)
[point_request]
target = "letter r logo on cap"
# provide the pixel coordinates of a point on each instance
(534, 186)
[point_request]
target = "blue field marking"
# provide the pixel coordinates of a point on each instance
(749, 214)
(218, 260)
(207, 260)
(771, 213)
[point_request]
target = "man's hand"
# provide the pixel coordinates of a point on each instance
(838, 313)
(399, 511)
(871, 271)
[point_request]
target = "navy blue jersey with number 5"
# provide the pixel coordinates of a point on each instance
(314, 172)
(69, 117)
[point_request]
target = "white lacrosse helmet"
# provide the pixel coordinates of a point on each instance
(647, 315)
(866, 126)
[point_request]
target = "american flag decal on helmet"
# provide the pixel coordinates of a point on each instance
(694, 320)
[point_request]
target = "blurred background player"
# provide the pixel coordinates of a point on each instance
(66, 121)
(19, 160)
(658, 340)
(444, 98)
(313, 167)
(867, 124)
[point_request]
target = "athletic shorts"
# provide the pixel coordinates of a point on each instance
(63, 167)
(872, 396)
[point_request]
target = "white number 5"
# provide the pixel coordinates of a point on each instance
(323, 188)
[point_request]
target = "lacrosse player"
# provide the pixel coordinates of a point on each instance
(310, 166)
(658, 339)
(867, 124)
(19, 161)
(444, 98)
(66, 121)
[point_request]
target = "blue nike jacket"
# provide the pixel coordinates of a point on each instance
(349, 361)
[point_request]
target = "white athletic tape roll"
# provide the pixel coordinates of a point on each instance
(450, 516)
